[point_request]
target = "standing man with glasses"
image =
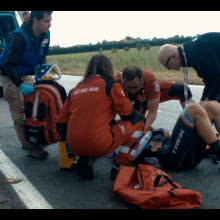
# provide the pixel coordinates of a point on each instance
(202, 54)
(25, 51)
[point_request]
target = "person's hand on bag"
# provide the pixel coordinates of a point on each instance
(36, 68)
(26, 89)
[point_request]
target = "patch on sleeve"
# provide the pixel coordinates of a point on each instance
(156, 86)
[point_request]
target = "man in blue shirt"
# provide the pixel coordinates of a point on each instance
(26, 49)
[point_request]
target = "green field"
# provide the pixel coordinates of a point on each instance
(75, 64)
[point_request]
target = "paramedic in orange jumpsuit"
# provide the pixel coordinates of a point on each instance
(87, 119)
(145, 92)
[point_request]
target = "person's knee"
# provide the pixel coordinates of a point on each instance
(212, 106)
(195, 110)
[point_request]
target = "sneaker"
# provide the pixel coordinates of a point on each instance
(209, 152)
(215, 159)
(37, 152)
(42, 146)
(116, 167)
(25, 148)
(85, 169)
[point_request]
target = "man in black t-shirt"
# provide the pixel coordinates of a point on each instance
(202, 54)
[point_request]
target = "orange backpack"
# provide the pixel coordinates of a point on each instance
(41, 110)
(150, 188)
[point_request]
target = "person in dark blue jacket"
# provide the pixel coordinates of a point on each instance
(25, 51)
(202, 54)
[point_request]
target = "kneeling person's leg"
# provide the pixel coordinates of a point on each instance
(127, 135)
(130, 146)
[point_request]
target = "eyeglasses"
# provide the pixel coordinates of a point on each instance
(135, 87)
(167, 61)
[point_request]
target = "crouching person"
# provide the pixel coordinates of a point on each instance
(191, 134)
(87, 119)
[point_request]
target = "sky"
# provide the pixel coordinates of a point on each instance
(71, 28)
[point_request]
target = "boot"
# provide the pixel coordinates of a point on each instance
(37, 152)
(85, 168)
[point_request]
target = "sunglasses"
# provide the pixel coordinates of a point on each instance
(167, 61)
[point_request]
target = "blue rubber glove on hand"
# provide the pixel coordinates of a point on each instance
(36, 68)
(26, 89)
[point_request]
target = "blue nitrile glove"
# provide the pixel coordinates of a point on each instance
(26, 89)
(36, 68)
(111, 155)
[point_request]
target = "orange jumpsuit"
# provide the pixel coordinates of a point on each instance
(87, 120)
(152, 89)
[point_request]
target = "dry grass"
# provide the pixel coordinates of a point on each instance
(10, 181)
(75, 64)
(178, 77)
(5, 201)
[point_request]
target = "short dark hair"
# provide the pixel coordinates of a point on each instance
(39, 15)
(130, 72)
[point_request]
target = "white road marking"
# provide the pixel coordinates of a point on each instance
(27, 193)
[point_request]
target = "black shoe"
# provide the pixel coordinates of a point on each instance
(42, 146)
(215, 159)
(210, 153)
(116, 167)
(114, 170)
(25, 148)
(85, 169)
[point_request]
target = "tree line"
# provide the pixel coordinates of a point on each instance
(105, 45)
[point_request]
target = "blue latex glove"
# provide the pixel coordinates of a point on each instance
(26, 89)
(111, 155)
(36, 68)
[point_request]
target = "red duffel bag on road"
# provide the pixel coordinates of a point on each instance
(150, 188)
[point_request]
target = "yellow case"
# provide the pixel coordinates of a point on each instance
(64, 161)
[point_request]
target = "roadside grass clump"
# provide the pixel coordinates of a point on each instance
(147, 47)
(126, 49)
(114, 50)
(140, 46)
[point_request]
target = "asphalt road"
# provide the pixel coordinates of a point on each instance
(66, 190)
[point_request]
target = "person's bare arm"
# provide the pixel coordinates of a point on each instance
(152, 112)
